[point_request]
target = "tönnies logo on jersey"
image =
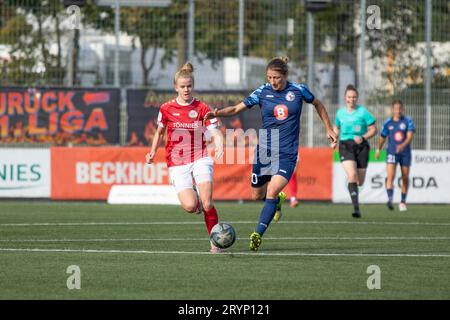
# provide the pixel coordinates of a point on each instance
(181, 125)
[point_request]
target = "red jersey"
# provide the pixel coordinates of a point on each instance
(185, 131)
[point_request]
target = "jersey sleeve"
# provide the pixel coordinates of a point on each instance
(337, 121)
(306, 93)
(384, 130)
(369, 118)
(162, 119)
(210, 123)
(253, 99)
(411, 126)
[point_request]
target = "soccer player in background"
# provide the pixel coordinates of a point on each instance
(186, 153)
(399, 131)
(280, 102)
(354, 125)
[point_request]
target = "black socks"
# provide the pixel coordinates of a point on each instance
(353, 190)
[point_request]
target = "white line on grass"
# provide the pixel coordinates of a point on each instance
(418, 255)
(205, 239)
(201, 223)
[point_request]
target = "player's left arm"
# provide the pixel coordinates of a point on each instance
(217, 139)
(213, 133)
(371, 132)
(323, 114)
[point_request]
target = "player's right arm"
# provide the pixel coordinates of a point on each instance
(226, 112)
(381, 141)
(155, 143)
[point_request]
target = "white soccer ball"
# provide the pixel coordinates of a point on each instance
(223, 235)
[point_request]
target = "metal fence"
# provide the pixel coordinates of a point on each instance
(381, 46)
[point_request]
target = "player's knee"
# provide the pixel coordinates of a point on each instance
(257, 196)
(190, 208)
(272, 193)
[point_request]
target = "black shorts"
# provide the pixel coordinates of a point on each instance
(350, 150)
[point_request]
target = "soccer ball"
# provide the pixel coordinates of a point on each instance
(223, 235)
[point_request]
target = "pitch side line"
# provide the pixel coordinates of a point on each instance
(206, 239)
(419, 255)
(231, 222)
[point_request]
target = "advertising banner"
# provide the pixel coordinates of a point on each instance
(24, 173)
(89, 173)
(429, 180)
(59, 116)
(143, 107)
(143, 194)
(314, 174)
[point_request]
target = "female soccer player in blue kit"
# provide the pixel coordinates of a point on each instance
(399, 130)
(280, 103)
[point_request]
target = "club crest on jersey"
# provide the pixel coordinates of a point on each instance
(192, 114)
(290, 96)
(402, 126)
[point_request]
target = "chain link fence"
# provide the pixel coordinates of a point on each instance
(47, 44)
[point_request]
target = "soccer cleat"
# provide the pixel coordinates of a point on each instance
(278, 214)
(390, 205)
(215, 249)
(200, 206)
(294, 203)
(255, 241)
(402, 207)
(282, 197)
(356, 214)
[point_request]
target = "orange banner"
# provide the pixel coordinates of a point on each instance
(314, 174)
(87, 173)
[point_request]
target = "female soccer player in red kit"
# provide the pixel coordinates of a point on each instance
(186, 153)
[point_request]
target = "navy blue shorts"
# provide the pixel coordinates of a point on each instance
(262, 173)
(403, 158)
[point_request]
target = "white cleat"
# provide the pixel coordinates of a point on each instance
(402, 207)
(215, 249)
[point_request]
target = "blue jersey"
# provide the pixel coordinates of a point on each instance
(281, 110)
(396, 132)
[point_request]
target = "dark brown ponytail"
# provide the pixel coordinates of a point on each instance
(351, 87)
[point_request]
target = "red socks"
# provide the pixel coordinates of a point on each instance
(293, 186)
(211, 218)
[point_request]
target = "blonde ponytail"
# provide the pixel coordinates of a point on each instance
(186, 71)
